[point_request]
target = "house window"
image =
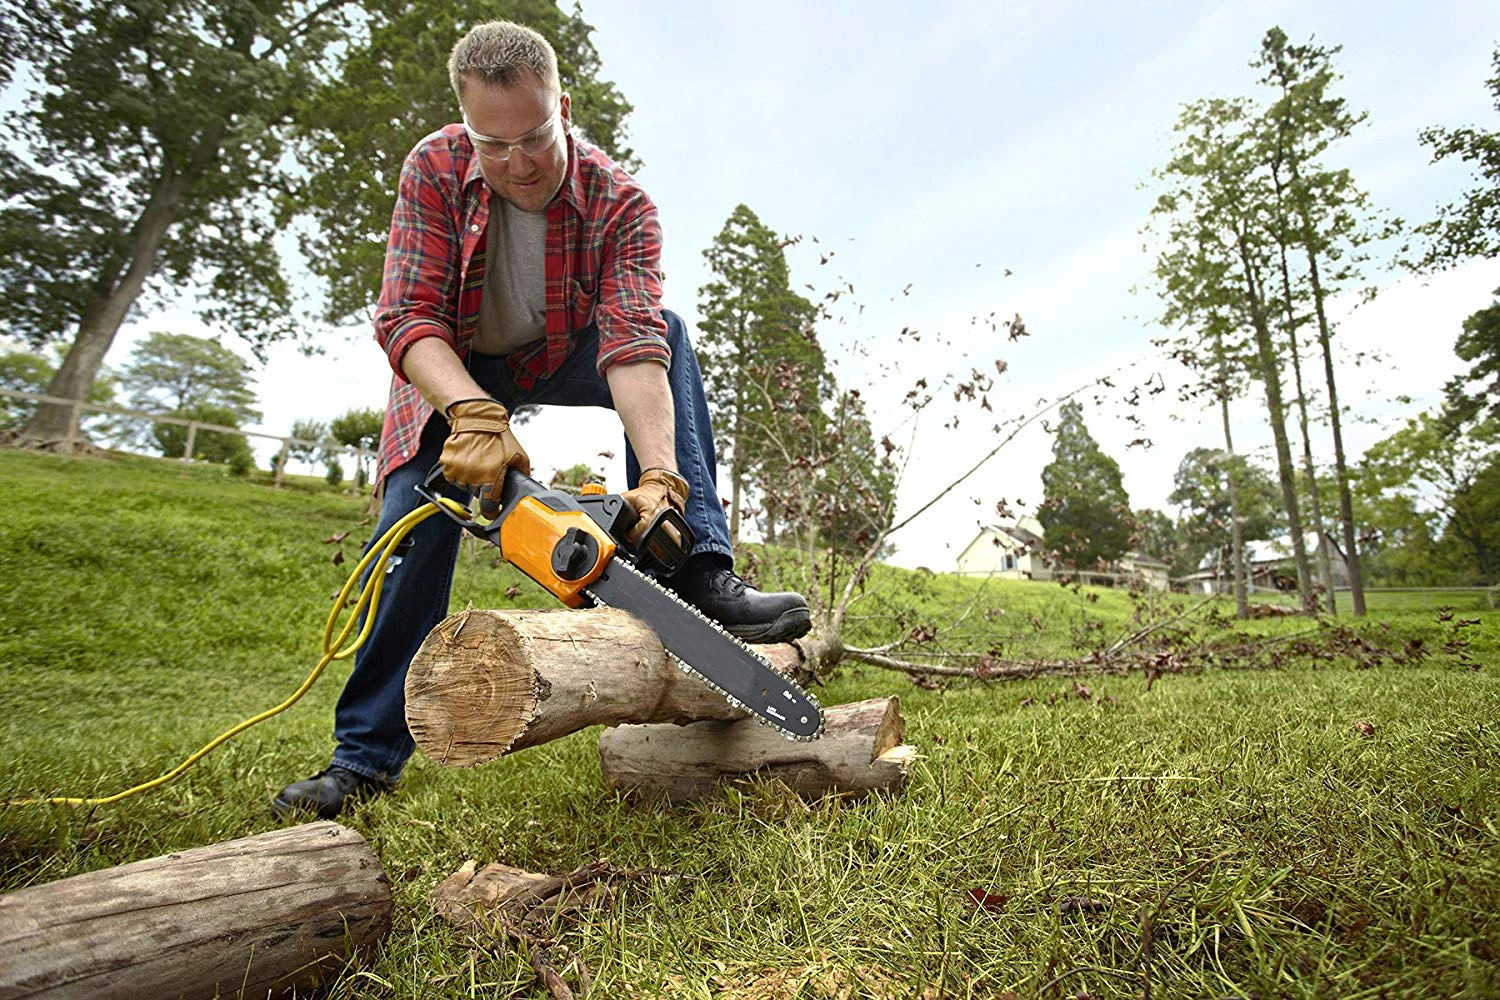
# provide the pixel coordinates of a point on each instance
(1010, 561)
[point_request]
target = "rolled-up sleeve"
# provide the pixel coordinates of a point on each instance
(628, 314)
(418, 290)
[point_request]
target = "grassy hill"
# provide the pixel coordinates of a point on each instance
(1238, 823)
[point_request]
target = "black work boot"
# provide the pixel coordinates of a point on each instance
(327, 793)
(709, 583)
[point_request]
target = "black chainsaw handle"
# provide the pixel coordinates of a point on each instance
(663, 546)
(517, 485)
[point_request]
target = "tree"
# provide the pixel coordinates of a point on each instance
(1207, 508)
(154, 157)
(764, 372)
(143, 162)
(1085, 513)
(1323, 213)
(1219, 214)
(1156, 535)
(175, 372)
(1437, 461)
(358, 428)
(1478, 344)
(1469, 227)
(314, 431)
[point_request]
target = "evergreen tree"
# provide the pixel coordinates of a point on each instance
(764, 372)
(1085, 515)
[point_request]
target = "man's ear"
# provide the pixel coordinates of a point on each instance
(567, 108)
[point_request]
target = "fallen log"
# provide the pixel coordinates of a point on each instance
(259, 916)
(488, 683)
(859, 752)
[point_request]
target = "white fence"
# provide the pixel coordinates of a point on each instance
(79, 407)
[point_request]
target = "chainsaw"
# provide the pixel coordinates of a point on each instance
(576, 548)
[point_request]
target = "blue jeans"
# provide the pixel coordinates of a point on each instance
(370, 721)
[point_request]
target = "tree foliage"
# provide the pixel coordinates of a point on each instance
(1085, 513)
(1435, 461)
(221, 447)
(1201, 492)
(763, 369)
(358, 428)
(1469, 227)
(176, 372)
(1476, 393)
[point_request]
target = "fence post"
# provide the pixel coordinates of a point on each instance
(73, 420)
(281, 462)
(187, 449)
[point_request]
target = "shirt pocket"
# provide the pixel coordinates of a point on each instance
(582, 297)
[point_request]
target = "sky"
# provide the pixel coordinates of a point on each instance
(930, 148)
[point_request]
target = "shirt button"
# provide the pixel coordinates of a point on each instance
(474, 228)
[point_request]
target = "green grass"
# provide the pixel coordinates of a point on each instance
(1237, 822)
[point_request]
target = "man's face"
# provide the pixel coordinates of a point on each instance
(523, 111)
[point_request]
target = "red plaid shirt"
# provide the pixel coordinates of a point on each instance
(603, 265)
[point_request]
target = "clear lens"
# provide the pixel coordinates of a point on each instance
(499, 150)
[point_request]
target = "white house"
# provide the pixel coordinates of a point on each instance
(1014, 552)
(1011, 552)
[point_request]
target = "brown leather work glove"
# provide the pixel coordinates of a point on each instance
(480, 447)
(658, 489)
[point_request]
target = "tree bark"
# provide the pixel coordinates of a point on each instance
(859, 752)
(1237, 524)
(1271, 377)
(1309, 469)
(1335, 420)
(263, 915)
(488, 683)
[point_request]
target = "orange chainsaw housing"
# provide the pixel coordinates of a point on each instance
(529, 535)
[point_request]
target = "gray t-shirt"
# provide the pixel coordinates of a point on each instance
(513, 310)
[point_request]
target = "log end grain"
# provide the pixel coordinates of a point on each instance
(471, 689)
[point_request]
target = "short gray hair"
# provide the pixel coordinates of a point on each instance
(502, 52)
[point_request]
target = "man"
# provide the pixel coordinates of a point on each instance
(523, 267)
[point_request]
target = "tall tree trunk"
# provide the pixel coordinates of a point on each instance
(103, 317)
(1325, 565)
(1237, 525)
(1271, 376)
(1341, 471)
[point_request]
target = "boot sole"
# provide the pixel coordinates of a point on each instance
(789, 625)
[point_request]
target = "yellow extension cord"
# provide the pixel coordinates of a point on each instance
(369, 597)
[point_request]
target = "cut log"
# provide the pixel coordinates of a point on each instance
(487, 683)
(859, 752)
(254, 917)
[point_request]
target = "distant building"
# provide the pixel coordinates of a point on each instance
(1015, 552)
(1270, 566)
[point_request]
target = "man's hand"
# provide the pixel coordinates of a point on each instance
(480, 447)
(658, 489)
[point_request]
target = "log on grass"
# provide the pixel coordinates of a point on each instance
(255, 917)
(859, 752)
(487, 683)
